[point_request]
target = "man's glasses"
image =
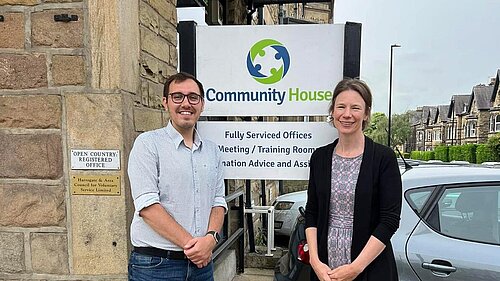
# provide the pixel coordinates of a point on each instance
(193, 98)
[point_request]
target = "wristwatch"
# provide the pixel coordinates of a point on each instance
(215, 235)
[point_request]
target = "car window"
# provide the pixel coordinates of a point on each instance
(469, 213)
(418, 197)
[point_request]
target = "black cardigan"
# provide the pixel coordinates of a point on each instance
(377, 205)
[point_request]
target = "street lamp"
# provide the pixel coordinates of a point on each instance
(390, 96)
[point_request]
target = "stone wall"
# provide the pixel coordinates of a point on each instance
(93, 83)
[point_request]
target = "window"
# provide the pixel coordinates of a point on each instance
(451, 132)
(417, 197)
(437, 135)
(429, 135)
(470, 129)
(495, 123)
(420, 136)
(469, 213)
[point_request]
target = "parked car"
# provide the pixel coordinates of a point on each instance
(450, 223)
(286, 211)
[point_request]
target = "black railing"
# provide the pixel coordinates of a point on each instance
(238, 235)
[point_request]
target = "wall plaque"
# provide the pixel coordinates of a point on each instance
(87, 159)
(95, 185)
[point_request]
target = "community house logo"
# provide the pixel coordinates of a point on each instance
(268, 61)
(258, 51)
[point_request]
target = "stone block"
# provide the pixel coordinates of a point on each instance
(146, 119)
(173, 55)
(155, 95)
(149, 67)
(31, 205)
(164, 8)
(168, 31)
(30, 112)
(12, 31)
(144, 92)
(100, 237)
(11, 252)
(94, 121)
(61, 1)
(148, 17)
(23, 71)
(47, 32)
(154, 45)
(49, 253)
(31, 156)
(19, 2)
(68, 70)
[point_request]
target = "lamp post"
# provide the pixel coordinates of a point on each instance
(390, 96)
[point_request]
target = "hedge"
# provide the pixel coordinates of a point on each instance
(485, 153)
(441, 153)
(469, 152)
(454, 153)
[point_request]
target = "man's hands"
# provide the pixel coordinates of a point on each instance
(199, 250)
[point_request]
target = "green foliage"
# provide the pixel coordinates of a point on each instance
(441, 153)
(455, 153)
(469, 152)
(406, 155)
(376, 130)
(485, 153)
(428, 155)
(494, 145)
(400, 128)
(417, 155)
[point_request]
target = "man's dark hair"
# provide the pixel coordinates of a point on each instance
(181, 77)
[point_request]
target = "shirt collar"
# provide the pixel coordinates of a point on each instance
(178, 139)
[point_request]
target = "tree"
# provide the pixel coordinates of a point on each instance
(400, 128)
(377, 129)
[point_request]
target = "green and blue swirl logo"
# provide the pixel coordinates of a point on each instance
(274, 74)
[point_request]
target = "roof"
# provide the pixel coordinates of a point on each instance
(428, 175)
(458, 104)
(443, 112)
(429, 114)
(495, 86)
(482, 95)
(415, 117)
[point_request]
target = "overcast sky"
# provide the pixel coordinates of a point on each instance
(448, 46)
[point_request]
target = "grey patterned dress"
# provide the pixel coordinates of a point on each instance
(345, 173)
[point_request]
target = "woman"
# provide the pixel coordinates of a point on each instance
(354, 196)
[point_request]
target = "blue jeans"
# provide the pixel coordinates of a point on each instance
(149, 268)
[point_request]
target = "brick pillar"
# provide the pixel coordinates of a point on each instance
(93, 83)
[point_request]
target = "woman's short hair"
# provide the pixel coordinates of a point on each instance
(358, 86)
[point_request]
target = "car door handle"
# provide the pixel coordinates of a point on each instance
(439, 269)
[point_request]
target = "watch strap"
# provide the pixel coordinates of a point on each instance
(215, 235)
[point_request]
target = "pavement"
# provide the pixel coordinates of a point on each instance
(255, 274)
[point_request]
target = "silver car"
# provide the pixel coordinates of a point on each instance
(449, 224)
(286, 211)
(449, 228)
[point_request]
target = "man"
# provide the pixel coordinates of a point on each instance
(178, 190)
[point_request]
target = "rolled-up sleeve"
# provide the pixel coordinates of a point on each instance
(220, 198)
(143, 173)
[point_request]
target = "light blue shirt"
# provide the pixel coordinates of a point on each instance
(188, 183)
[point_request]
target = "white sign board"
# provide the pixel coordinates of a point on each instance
(280, 70)
(267, 150)
(89, 159)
